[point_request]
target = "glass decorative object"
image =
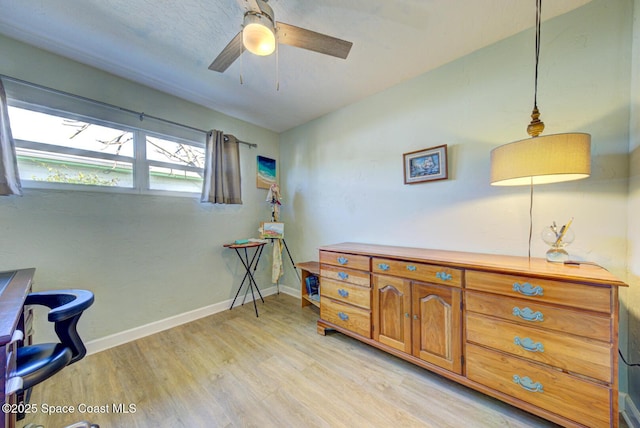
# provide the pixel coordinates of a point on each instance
(558, 239)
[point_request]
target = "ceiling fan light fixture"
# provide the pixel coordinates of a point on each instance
(258, 35)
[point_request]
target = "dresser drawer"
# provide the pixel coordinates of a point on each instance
(357, 320)
(346, 260)
(534, 314)
(579, 400)
(419, 271)
(345, 292)
(357, 277)
(569, 353)
(580, 296)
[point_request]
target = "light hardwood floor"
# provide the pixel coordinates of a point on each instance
(235, 370)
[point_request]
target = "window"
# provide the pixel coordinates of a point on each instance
(62, 150)
(174, 165)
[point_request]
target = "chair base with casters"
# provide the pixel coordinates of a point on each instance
(38, 362)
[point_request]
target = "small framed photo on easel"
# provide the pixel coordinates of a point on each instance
(272, 230)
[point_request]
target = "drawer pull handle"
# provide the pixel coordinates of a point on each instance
(411, 268)
(527, 314)
(383, 266)
(528, 344)
(443, 276)
(343, 293)
(343, 275)
(343, 260)
(528, 384)
(527, 289)
(343, 316)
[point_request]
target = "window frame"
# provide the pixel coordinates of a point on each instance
(139, 162)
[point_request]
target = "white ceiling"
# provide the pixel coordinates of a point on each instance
(168, 45)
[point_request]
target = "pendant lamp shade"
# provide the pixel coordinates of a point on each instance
(541, 160)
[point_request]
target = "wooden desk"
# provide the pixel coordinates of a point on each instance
(14, 330)
(248, 265)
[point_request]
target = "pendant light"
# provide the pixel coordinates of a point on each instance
(541, 159)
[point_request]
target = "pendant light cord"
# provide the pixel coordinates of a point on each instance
(538, 19)
(535, 108)
(625, 361)
(530, 217)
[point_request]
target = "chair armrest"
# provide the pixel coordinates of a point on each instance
(64, 304)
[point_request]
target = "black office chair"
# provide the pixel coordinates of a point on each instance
(36, 363)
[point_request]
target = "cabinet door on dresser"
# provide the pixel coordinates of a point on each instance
(392, 312)
(437, 319)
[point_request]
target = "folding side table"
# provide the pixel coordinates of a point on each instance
(249, 265)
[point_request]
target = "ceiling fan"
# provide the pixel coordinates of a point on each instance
(260, 33)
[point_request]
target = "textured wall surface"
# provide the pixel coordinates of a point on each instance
(150, 257)
(631, 298)
(146, 258)
(343, 177)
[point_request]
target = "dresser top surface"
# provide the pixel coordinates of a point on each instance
(489, 262)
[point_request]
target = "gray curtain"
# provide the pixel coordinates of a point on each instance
(9, 178)
(221, 184)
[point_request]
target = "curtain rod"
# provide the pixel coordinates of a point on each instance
(141, 115)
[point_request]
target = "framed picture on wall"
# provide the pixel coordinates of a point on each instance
(425, 165)
(266, 175)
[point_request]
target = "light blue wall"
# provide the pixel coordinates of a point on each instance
(343, 176)
(632, 297)
(146, 258)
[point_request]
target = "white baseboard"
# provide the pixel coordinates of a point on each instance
(291, 291)
(629, 410)
(126, 336)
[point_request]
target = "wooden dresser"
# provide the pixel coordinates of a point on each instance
(540, 336)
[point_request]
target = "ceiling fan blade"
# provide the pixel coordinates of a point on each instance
(317, 42)
(229, 54)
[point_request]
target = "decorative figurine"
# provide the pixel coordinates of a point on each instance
(558, 239)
